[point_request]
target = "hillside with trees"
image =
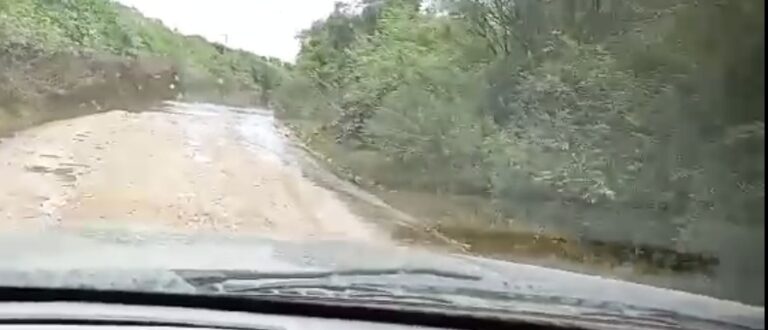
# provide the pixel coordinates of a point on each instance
(93, 54)
(639, 122)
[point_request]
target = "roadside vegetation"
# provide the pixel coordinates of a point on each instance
(63, 57)
(633, 123)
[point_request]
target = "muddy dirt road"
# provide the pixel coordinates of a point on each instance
(188, 167)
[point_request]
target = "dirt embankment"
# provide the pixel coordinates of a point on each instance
(38, 88)
(188, 170)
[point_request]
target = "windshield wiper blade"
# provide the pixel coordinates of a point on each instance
(362, 285)
(315, 284)
(208, 277)
(349, 291)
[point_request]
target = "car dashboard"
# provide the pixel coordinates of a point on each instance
(87, 316)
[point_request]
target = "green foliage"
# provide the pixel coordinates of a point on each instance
(616, 102)
(628, 121)
(437, 140)
(574, 117)
(30, 28)
(301, 99)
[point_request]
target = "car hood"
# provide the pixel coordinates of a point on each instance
(145, 261)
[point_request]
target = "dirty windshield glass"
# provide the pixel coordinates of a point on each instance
(605, 151)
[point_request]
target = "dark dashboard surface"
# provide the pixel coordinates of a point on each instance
(83, 309)
(98, 309)
(103, 316)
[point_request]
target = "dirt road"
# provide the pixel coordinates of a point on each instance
(191, 167)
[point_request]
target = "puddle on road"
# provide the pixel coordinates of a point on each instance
(471, 221)
(256, 129)
(258, 132)
(510, 245)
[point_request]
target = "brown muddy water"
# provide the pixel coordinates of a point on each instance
(441, 230)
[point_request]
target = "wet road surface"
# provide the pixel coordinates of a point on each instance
(188, 168)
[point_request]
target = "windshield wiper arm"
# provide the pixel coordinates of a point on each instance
(207, 277)
(320, 284)
(349, 291)
(316, 284)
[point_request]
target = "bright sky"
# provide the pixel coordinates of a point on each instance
(265, 27)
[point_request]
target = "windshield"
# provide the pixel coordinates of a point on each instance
(503, 154)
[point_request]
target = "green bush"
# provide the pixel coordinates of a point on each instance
(619, 106)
